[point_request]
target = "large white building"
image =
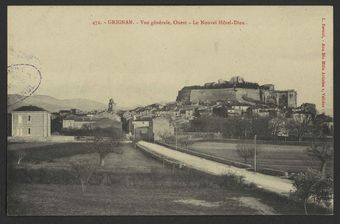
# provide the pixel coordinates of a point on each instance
(31, 121)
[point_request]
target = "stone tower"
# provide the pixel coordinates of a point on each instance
(111, 105)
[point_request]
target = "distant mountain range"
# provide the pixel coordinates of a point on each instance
(52, 104)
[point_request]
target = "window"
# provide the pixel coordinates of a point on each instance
(29, 118)
(19, 119)
(29, 131)
(19, 131)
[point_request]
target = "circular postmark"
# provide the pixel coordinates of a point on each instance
(23, 81)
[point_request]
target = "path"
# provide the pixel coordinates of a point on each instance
(271, 183)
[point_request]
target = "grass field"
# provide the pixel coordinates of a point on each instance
(60, 155)
(103, 200)
(141, 186)
(281, 157)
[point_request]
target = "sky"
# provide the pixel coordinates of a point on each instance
(141, 64)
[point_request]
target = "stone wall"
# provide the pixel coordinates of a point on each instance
(223, 94)
(183, 95)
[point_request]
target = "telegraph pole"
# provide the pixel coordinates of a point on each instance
(255, 153)
(176, 135)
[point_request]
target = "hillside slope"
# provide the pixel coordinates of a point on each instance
(52, 104)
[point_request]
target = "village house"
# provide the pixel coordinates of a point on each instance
(31, 121)
(326, 122)
(180, 124)
(148, 111)
(299, 117)
(205, 111)
(64, 113)
(219, 110)
(186, 111)
(142, 129)
(77, 122)
(162, 112)
(238, 108)
(262, 111)
(162, 126)
(171, 106)
(233, 113)
(107, 124)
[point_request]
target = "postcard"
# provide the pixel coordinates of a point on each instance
(170, 110)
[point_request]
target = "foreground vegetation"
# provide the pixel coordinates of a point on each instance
(130, 183)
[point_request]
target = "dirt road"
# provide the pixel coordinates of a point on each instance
(274, 184)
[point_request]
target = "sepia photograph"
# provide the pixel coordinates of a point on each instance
(169, 110)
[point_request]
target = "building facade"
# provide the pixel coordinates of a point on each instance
(31, 121)
(238, 90)
(142, 130)
(162, 126)
(286, 98)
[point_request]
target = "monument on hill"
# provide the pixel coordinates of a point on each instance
(111, 105)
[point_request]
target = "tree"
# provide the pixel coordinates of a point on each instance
(260, 127)
(299, 128)
(105, 146)
(240, 127)
(83, 171)
(323, 191)
(310, 184)
(305, 124)
(323, 152)
(56, 124)
(309, 108)
(106, 138)
(207, 124)
(277, 125)
(320, 127)
(220, 111)
(245, 151)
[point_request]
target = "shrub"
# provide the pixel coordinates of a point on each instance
(232, 181)
(323, 152)
(311, 184)
(323, 191)
(245, 151)
(20, 156)
(83, 171)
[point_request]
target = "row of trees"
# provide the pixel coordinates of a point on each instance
(266, 128)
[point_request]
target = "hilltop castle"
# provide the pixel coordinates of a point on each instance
(238, 90)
